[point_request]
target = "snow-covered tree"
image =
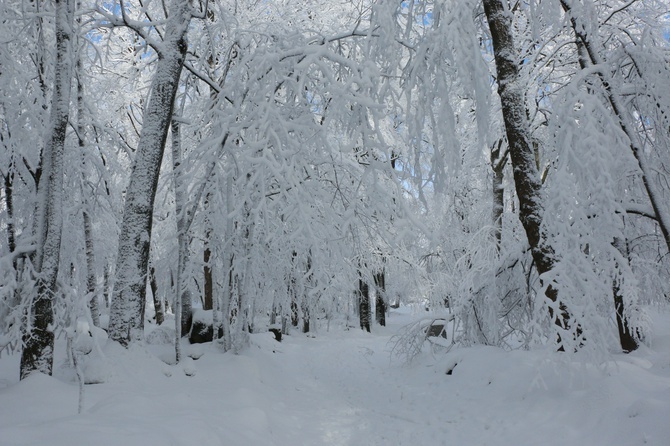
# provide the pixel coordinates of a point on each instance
(38, 338)
(126, 322)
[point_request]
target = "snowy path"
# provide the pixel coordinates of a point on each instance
(363, 399)
(341, 389)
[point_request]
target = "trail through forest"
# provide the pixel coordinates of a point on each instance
(341, 387)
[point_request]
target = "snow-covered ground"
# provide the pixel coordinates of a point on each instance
(342, 388)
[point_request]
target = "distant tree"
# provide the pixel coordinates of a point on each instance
(381, 301)
(363, 296)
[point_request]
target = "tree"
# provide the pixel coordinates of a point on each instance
(526, 176)
(363, 297)
(24, 120)
(587, 43)
(126, 322)
(380, 297)
(38, 339)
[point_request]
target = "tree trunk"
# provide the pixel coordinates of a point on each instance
(293, 291)
(91, 280)
(209, 303)
(125, 323)
(228, 267)
(364, 303)
(37, 354)
(626, 337)
(207, 271)
(306, 298)
(380, 299)
(183, 292)
(526, 177)
(9, 205)
(305, 318)
(105, 284)
(158, 302)
(498, 161)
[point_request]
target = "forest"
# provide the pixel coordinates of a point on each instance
(287, 165)
(475, 188)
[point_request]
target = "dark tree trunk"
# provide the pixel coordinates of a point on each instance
(106, 283)
(158, 302)
(526, 176)
(209, 281)
(209, 303)
(626, 337)
(293, 292)
(9, 204)
(380, 297)
(306, 299)
(294, 311)
(305, 319)
(364, 304)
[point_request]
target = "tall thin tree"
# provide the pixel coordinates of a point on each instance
(38, 339)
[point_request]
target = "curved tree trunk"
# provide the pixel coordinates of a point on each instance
(526, 176)
(126, 322)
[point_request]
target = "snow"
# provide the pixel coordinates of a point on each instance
(342, 388)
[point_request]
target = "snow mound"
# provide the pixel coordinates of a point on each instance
(114, 363)
(161, 335)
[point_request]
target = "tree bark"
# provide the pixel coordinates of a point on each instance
(9, 204)
(91, 280)
(38, 339)
(526, 176)
(126, 323)
(207, 271)
(293, 291)
(158, 301)
(364, 303)
(105, 284)
(183, 292)
(306, 298)
(228, 270)
(626, 337)
(498, 161)
(380, 297)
